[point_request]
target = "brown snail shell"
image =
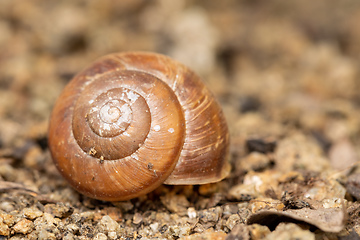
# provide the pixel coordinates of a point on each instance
(132, 121)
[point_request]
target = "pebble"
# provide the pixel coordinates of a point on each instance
(255, 184)
(191, 212)
(258, 232)
(4, 228)
(265, 203)
(239, 231)
(112, 235)
(72, 228)
(137, 218)
(47, 227)
(285, 231)
(32, 213)
(185, 230)
(100, 236)
(59, 210)
(230, 209)
(43, 234)
(68, 236)
(107, 224)
(114, 212)
(175, 203)
(253, 161)
(24, 226)
(7, 219)
(232, 221)
(210, 215)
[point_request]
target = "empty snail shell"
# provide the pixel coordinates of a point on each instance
(133, 121)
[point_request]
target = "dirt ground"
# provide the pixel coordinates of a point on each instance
(285, 72)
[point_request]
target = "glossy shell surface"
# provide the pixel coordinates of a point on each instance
(132, 121)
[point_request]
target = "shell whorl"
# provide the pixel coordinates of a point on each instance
(132, 121)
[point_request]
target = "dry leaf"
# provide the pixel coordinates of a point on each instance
(326, 219)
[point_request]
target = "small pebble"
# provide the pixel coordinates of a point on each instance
(232, 221)
(137, 218)
(32, 213)
(107, 224)
(4, 228)
(191, 212)
(100, 236)
(286, 231)
(154, 227)
(24, 226)
(112, 235)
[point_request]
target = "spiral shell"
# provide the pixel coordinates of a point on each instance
(132, 121)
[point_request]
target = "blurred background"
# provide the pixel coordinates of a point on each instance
(275, 66)
(276, 57)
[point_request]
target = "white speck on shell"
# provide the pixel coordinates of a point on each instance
(157, 128)
(175, 82)
(132, 96)
(135, 156)
(171, 130)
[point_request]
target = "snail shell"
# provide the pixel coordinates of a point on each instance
(132, 121)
